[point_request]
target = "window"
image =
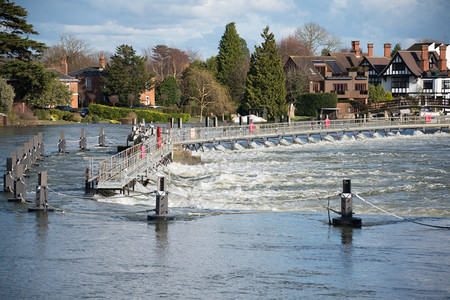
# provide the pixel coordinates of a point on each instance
(374, 81)
(398, 66)
(147, 100)
(340, 88)
(68, 86)
(428, 84)
(360, 87)
(88, 84)
(400, 82)
(446, 84)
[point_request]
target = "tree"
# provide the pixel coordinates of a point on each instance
(200, 87)
(125, 75)
(314, 36)
(6, 96)
(296, 85)
(291, 46)
(232, 62)
(55, 94)
(397, 47)
(17, 52)
(165, 61)
(168, 92)
(113, 99)
(378, 94)
(78, 54)
(14, 26)
(265, 87)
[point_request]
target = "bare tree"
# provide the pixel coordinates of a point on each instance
(291, 46)
(314, 36)
(165, 61)
(77, 53)
(201, 87)
(113, 99)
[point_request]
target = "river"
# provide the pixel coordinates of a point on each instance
(250, 224)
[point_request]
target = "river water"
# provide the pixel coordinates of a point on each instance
(263, 231)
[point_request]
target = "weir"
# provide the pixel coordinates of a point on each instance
(141, 160)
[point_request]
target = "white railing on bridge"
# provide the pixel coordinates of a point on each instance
(261, 130)
(118, 170)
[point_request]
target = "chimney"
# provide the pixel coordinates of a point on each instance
(102, 61)
(370, 50)
(442, 63)
(355, 48)
(64, 66)
(424, 62)
(387, 50)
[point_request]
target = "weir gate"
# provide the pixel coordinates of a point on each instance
(142, 159)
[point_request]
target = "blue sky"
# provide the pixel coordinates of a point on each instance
(199, 24)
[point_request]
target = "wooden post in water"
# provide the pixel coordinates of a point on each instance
(8, 179)
(41, 203)
(20, 188)
(62, 143)
(346, 218)
(180, 123)
(101, 137)
(83, 139)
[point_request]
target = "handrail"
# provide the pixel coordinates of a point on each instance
(229, 133)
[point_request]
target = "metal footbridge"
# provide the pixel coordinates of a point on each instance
(142, 159)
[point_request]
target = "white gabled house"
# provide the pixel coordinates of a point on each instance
(423, 74)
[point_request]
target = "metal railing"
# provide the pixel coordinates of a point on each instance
(119, 169)
(230, 133)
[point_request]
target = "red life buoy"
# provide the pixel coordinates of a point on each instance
(428, 118)
(251, 127)
(327, 122)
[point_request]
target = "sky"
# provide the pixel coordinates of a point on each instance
(198, 25)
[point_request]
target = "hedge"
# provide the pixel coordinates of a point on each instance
(310, 104)
(117, 113)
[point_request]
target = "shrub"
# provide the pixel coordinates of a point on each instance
(117, 113)
(56, 113)
(95, 119)
(41, 114)
(76, 118)
(310, 104)
(67, 115)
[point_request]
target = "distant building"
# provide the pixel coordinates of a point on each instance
(70, 82)
(420, 73)
(90, 87)
(338, 73)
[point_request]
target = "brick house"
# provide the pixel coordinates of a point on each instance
(70, 82)
(90, 87)
(337, 73)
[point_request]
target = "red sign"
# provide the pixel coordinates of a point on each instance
(428, 118)
(327, 122)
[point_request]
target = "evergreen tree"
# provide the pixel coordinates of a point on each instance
(265, 87)
(168, 92)
(17, 52)
(397, 47)
(232, 62)
(126, 76)
(14, 25)
(6, 96)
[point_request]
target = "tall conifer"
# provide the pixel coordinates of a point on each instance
(232, 62)
(265, 87)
